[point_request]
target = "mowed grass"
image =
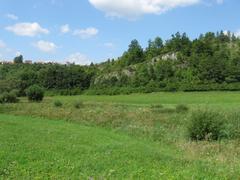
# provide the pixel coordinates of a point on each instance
(214, 99)
(139, 136)
(36, 148)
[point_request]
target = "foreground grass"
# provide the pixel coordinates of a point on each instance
(39, 148)
(144, 133)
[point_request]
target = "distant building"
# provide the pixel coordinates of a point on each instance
(6, 62)
(28, 62)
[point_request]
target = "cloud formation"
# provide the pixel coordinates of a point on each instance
(219, 1)
(86, 33)
(27, 29)
(2, 44)
(78, 58)
(45, 46)
(135, 8)
(237, 33)
(12, 16)
(109, 45)
(65, 29)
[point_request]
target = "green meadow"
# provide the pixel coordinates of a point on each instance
(221, 98)
(138, 136)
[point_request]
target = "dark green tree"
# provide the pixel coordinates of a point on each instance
(18, 59)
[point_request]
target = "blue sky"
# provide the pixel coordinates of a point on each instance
(94, 30)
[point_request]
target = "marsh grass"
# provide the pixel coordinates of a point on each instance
(181, 108)
(58, 103)
(208, 124)
(157, 106)
(78, 104)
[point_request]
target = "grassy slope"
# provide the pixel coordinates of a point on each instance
(35, 147)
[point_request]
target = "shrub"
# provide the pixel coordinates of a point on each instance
(15, 92)
(172, 87)
(165, 110)
(35, 93)
(58, 103)
(9, 97)
(156, 106)
(206, 125)
(181, 108)
(1, 99)
(78, 104)
(233, 125)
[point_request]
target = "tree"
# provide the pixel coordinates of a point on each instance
(26, 78)
(179, 43)
(158, 42)
(134, 54)
(154, 48)
(35, 93)
(164, 70)
(18, 59)
(142, 76)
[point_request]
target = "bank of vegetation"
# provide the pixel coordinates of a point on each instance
(210, 62)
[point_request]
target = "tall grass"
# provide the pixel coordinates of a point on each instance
(214, 125)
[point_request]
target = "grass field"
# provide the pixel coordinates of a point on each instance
(220, 99)
(223, 98)
(114, 137)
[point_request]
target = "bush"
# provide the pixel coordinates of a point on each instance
(181, 108)
(165, 110)
(15, 92)
(156, 106)
(35, 93)
(233, 125)
(58, 103)
(9, 97)
(1, 99)
(78, 104)
(206, 125)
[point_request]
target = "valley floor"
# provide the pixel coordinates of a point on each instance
(114, 137)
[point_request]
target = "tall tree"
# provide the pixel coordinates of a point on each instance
(134, 54)
(18, 59)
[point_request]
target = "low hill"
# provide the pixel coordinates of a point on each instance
(210, 62)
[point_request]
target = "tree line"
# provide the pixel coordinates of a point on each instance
(209, 62)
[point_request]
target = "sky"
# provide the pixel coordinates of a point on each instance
(85, 31)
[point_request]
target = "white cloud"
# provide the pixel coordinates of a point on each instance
(18, 53)
(86, 33)
(109, 45)
(135, 8)
(27, 29)
(219, 1)
(225, 32)
(12, 16)
(78, 58)
(2, 44)
(45, 46)
(65, 28)
(237, 33)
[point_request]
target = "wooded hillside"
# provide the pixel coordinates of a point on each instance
(210, 62)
